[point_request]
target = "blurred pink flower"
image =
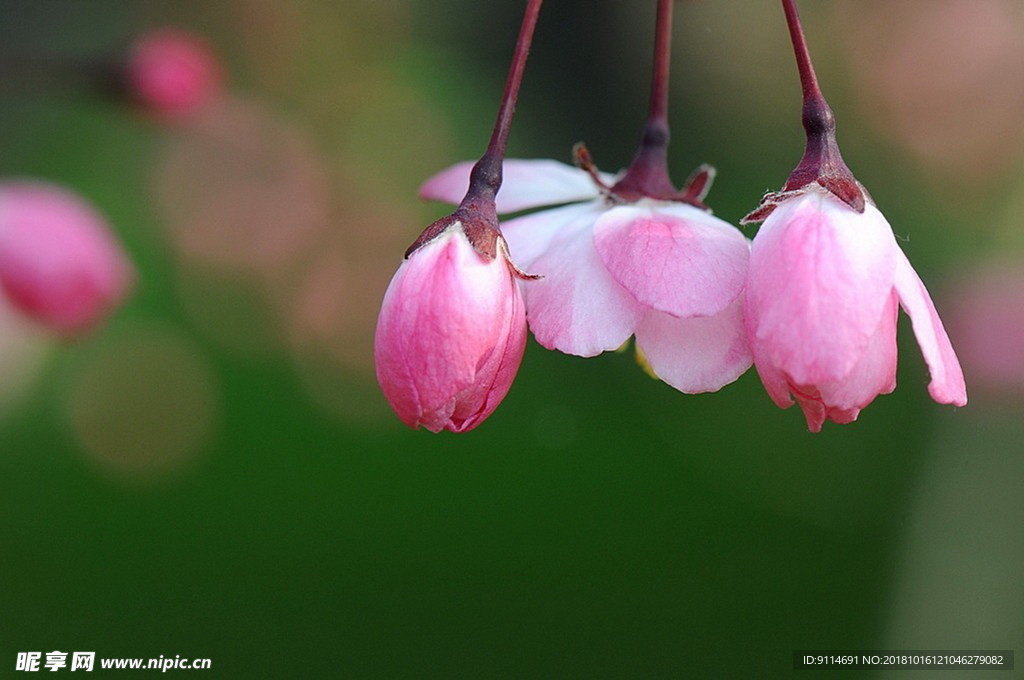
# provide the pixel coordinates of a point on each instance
(821, 307)
(988, 320)
(59, 262)
(666, 271)
(173, 73)
(451, 333)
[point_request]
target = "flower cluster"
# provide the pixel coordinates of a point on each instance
(811, 302)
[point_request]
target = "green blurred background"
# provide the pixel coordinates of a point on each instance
(214, 473)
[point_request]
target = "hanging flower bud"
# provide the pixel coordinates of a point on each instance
(452, 327)
(825, 281)
(171, 73)
(59, 262)
(450, 335)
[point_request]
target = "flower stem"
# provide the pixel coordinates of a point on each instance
(822, 162)
(477, 213)
(485, 179)
(648, 174)
(662, 57)
(808, 79)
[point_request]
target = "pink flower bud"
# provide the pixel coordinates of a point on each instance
(450, 335)
(822, 294)
(59, 262)
(173, 73)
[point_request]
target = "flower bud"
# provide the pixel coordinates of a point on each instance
(450, 335)
(59, 262)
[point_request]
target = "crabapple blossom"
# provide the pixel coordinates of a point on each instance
(823, 292)
(826, 280)
(452, 326)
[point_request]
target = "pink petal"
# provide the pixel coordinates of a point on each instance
(59, 261)
(674, 258)
(947, 385)
(502, 365)
(446, 328)
(696, 355)
(774, 381)
(842, 400)
(813, 408)
(578, 308)
(820, 276)
(528, 237)
(874, 374)
(531, 183)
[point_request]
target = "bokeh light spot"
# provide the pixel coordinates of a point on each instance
(24, 349)
(143, 403)
(987, 328)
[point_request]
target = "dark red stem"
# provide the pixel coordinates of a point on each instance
(822, 162)
(662, 58)
(477, 212)
(485, 179)
(808, 79)
(648, 173)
